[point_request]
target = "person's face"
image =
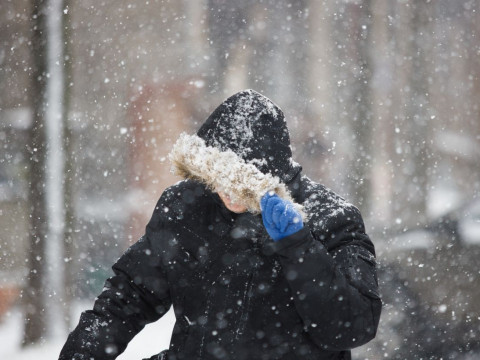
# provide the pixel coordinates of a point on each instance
(233, 207)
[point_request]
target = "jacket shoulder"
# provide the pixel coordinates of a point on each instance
(326, 208)
(178, 202)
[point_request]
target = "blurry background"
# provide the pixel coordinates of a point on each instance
(381, 97)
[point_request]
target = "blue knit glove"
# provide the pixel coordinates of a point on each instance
(280, 217)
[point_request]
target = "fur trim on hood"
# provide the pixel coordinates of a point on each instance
(225, 171)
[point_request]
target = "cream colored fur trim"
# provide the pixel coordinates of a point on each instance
(225, 171)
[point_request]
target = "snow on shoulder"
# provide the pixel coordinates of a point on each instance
(225, 171)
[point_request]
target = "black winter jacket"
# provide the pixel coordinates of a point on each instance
(237, 294)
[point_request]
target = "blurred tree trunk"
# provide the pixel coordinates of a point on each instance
(34, 296)
(417, 115)
(69, 169)
(47, 138)
(362, 102)
(353, 43)
(472, 180)
(411, 135)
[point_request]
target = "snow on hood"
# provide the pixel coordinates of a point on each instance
(254, 128)
(225, 171)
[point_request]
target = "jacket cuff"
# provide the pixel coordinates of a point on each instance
(296, 243)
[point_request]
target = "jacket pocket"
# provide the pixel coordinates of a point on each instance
(359, 265)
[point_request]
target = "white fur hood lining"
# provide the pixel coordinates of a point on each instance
(225, 171)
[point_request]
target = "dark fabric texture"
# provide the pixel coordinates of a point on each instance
(235, 292)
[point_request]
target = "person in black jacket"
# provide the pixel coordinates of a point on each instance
(257, 260)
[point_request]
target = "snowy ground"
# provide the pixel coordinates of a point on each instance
(153, 339)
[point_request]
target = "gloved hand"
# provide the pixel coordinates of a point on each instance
(280, 217)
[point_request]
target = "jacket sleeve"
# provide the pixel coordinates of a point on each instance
(335, 292)
(137, 294)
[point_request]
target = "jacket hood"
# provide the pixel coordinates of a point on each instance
(254, 128)
(243, 149)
